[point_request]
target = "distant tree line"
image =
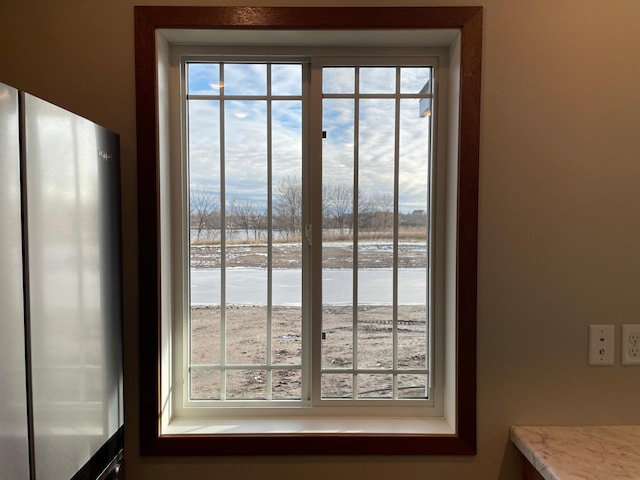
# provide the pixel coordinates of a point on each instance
(375, 212)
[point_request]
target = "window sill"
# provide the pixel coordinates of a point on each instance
(260, 436)
(308, 426)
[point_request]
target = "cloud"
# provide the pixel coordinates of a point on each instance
(245, 131)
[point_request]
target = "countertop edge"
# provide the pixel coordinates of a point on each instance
(595, 452)
(521, 444)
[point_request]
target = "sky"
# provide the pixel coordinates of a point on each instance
(245, 130)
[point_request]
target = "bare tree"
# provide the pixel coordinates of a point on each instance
(339, 207)
(383, 211)
(287, 205)
(258, 216)
(375, 212)
(204, 209)
(248, 216)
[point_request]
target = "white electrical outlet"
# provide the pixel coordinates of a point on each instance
(601, 344)
(631, 344)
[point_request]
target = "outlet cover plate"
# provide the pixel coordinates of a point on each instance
(601, 344)
(630, 344)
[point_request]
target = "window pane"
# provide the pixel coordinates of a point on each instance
(412, 259)
(338, 80)
(337, 330)
(204, 220)
(286, 79)
(205, 335)
(246, 385)
(246, 213)
(375, 386)
(377, 80)
(246, 325)
(413, 386)
(414, 80)
(204, 142)
(337, 246)
(337, 385)
(286, 335)
(246, 295)
(412, 334)
(245, 79)
(415, 138)
(338, 168)
(205, 385)
(287, 176)
(375, 234)
(376, 158)
(245, 169)
(287, 384)
(205, 229)
(375, 335)
(286, 316)
(391, 328)
(203, 78)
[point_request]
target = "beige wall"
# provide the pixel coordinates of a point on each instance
(559, 212)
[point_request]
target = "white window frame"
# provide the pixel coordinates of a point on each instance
(316, 58)
(181, 407)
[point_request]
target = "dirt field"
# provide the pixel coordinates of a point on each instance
(287, 255)
(246, 334)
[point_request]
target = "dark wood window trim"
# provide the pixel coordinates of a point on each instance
(147, 20)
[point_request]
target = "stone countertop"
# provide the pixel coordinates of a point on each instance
(581, 452)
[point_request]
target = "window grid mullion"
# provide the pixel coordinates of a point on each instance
(356, 206)
(396, 195)
(246, 97)
(244, 366)
(392, 96)
(269, 236)
(385, 371)
(223, 246)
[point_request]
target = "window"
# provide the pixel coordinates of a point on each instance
(314, 314)
(249, 330)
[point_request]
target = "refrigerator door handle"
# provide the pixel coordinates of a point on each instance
(114, 470)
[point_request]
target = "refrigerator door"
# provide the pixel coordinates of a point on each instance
(72, 172)
(14, 447)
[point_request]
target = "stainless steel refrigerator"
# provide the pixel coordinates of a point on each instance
(61, 382)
